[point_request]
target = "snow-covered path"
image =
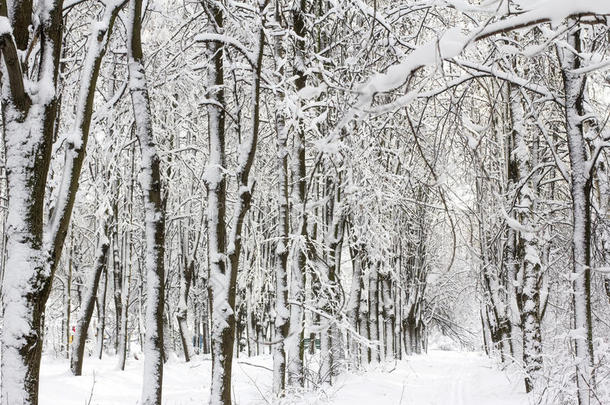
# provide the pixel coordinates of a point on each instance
(440, 377)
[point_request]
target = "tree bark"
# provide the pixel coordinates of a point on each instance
(221, 244)
(295, 344)
(181, 316)
(154, 211)
(282, 317)
(88, 303)
(527, 252)
(388, 315)
(580, 190)
(101, 316)
(33, 257)
(353, 306)
(374, 313)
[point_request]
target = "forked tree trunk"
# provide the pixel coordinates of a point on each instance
(32, 257)
(222, 244)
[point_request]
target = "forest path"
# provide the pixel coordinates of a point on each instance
(436, 378)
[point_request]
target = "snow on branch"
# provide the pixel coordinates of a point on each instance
(553, 11)
(516, 225)
(5, 26)
(453, 42)
(226, 40)
(55, 230)
(509, 77)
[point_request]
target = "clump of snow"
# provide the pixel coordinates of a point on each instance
(5, 26)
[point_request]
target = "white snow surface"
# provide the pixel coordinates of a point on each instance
(439, 377)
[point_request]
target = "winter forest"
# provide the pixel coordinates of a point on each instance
(305, 202)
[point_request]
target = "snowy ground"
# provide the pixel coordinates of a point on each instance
(440, 377)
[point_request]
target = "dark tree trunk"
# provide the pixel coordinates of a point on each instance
(374, 313)
(101, 315)
(88, 304)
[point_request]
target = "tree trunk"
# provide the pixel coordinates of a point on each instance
(374, 313)
(68, 300)
(336, 245)
(154, 211)
(181, 315)
(101, 316)
(33, 257)
(117, 278)
(221, 342)
(123, 336)
(364, 324)
(527, 252)
(580, 190)
(353, 306)
(388, 315)
(223, 273)
(295, 343)
(88, 303)
(282, 318)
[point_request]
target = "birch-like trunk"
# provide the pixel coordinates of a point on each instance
(353, 306)
(580, 191)
(388, 315)
(221, 342)
(295, 343)
(282, 317)
(528, 252)
(603, 175)
(374, 313)
(117, 277)
(337, 343)
(154, 211)
(363, 322)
